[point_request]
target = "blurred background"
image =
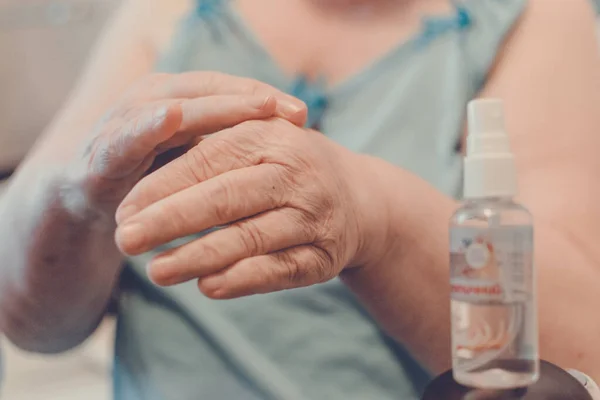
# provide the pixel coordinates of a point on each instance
(44, 45)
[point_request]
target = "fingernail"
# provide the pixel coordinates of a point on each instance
(131, 238)
(288, 108)
(123, 213)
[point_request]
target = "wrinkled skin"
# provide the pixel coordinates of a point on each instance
(296, 209)
(163, 112)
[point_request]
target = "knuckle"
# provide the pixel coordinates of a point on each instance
(294, 273)
(138, 124)
(147, 119)
(208, 253)
(288, 130)
(307, 222)
(222, 196)
(102, 154)
(178, 219)
(324, 264)
(257, 128)
(313, 213)
(319, 208)
(310, 216)
(197, 163)
(252, 238)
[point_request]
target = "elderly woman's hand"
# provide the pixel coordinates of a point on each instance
(163, 112)
(294, 208)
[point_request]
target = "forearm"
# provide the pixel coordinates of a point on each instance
(59, 264)
(408, 289)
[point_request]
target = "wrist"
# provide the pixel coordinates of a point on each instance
(400, 211)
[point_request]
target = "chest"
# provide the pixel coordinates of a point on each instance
(314, 40)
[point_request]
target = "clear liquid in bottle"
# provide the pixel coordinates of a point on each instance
(494, 325)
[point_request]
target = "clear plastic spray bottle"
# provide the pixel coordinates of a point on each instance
(493, 295)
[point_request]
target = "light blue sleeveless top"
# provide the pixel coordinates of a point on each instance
(317, 342)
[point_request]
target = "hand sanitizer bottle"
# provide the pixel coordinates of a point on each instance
(493, 297)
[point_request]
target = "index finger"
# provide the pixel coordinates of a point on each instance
(209, 83)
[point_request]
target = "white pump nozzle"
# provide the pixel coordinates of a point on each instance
(489, 165)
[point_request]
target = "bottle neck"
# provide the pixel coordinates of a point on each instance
(490, 200)
(489, 177)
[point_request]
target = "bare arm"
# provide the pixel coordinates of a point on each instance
(549, 77)
(59, 261)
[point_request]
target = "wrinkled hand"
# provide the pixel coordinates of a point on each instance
(163, 112)
(296, 209)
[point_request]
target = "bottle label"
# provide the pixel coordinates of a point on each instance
(491, 265)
